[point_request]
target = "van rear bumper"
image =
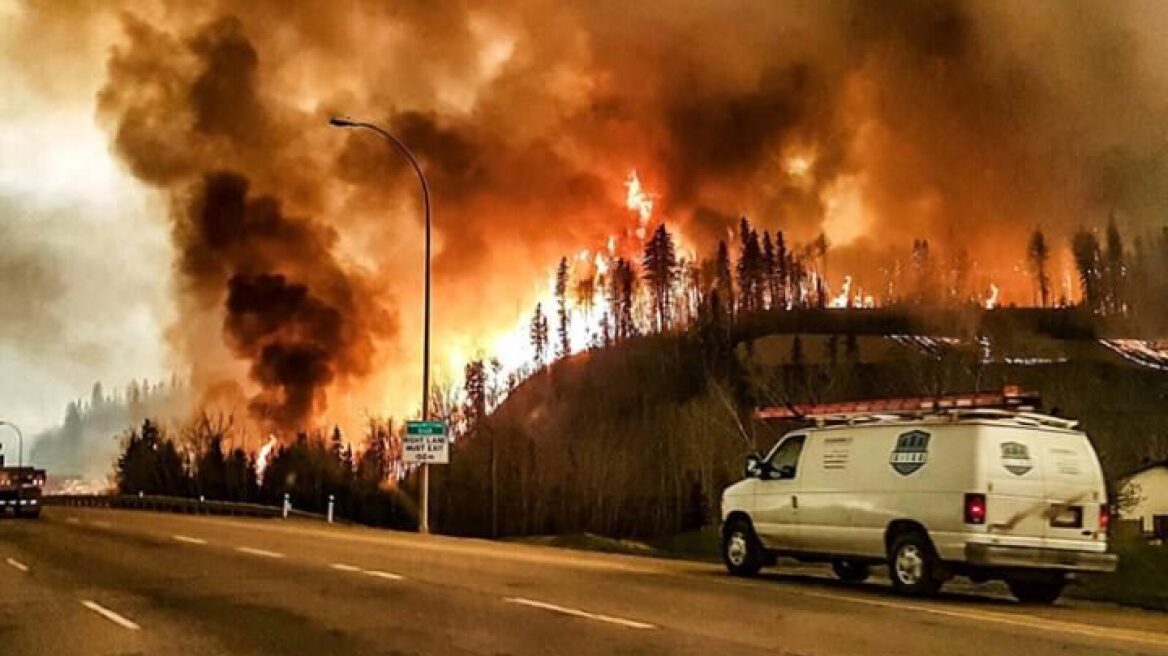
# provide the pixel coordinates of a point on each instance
(994, 555)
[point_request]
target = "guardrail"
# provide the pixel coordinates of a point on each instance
(182, 505)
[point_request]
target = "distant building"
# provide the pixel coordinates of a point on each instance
(1149, 484)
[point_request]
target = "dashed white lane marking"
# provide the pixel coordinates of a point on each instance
(260, 552)
(73, 520)
(17, 564)
(383, 575)
(1026, 621)
(188, 539)
(110, 615)
(345, 568)
(575, 612)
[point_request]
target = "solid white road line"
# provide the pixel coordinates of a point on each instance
(260, 552)
(383, 575)
(73, 520)
(632, 624)
(345, 568)
(17, 564)
(188, 539)
(110, 615)
(101, 524)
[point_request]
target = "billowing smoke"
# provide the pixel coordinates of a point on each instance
(967, 124)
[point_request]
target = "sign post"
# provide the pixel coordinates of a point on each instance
(426, 443)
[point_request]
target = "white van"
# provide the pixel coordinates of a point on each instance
(982, 493)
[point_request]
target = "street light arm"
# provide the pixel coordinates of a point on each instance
(344, 122)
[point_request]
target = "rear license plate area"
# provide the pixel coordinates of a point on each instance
(1066, 516)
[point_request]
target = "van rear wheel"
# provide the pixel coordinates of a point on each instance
(850, 571)
(913, 565)
(1037, 590)
(742, 551)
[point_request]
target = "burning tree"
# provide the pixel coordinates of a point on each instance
(564, 344)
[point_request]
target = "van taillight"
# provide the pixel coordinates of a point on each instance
(1104, 518)
(975, 508)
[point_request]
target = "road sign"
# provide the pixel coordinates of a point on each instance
(426, 442)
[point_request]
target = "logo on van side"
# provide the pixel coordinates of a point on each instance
(911, 452)
(1016, 458)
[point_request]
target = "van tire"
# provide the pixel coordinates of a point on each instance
(850, 571)
(1037, 591)
(913, 566)
(742, 551)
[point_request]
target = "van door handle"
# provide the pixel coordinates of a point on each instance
(794, 501)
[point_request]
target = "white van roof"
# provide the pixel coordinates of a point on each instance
(955, 416)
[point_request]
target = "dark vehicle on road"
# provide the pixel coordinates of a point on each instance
(20, 491)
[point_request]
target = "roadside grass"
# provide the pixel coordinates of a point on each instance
(1141, 580)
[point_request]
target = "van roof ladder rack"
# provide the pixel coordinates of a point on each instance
(1010, 403)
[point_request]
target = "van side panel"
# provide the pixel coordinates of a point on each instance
(860, 479)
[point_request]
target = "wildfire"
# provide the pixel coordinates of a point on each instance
(843, 299)
(264, 455)
(639, 201)
(991, 302)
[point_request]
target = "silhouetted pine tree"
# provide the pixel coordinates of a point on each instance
(539, 336)
(1116, 272)
(1038, 253)
(475, 387)
(621, 297)
(750, 269)
(660, 267)
(1085, 248)
(724, 281)
(564, 345)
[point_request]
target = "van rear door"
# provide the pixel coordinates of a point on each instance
(1074, 491)
(1016, 504)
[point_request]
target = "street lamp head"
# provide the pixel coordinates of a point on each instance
(342, 122)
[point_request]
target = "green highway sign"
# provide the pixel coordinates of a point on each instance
(425, 428)
(426, 443)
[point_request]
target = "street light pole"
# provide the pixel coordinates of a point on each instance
(342, 122)
(19, 442)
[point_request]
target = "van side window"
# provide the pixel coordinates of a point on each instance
(785, 462)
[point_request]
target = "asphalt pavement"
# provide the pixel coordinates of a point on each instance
(100, 582)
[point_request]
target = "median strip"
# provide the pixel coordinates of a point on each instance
(574, 612)
(260, 552)
(17, 564)
(110, 615)
(188, 539)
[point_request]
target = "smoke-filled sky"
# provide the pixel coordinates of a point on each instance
(171, 198)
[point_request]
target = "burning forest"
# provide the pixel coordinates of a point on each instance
(602, 171)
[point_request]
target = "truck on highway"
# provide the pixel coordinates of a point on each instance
(20, 490)
(975, 485)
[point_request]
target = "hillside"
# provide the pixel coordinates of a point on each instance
(639, 439)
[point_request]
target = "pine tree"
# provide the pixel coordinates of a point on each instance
(539, 336)
(475, 388)
(563, 331)
(621, 297)
(781, 274)
(1038, 253)
(1116, 273)
(724, 281)
(1085, 248)
(770, 272)
(660, 267)
(750, 268)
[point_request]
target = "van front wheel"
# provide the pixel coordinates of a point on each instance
(912, 566)
(1037, 591)
(741, 549)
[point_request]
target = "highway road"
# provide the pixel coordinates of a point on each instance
(87, 581)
